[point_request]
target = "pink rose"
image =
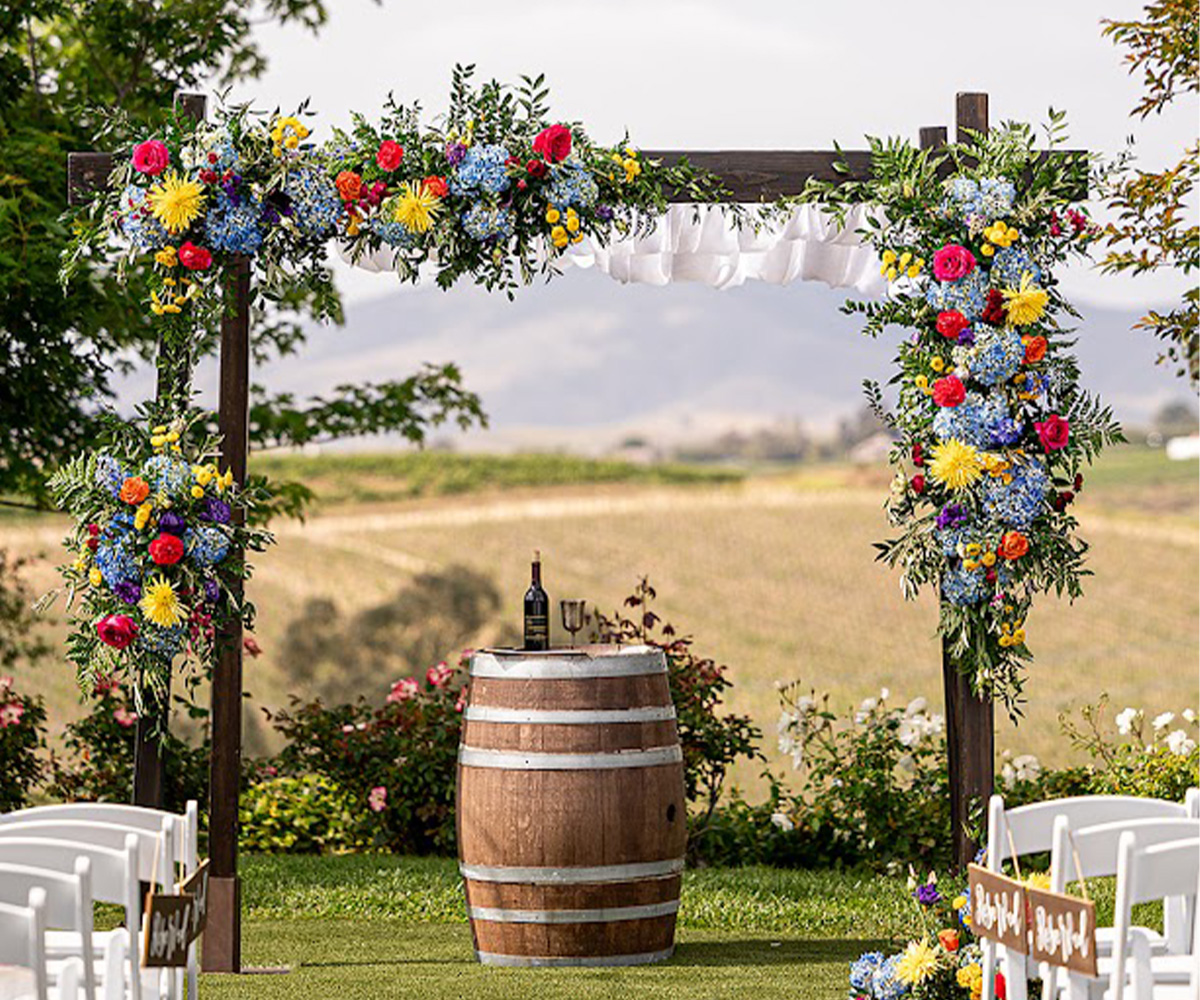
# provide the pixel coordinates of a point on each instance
(117, 631)
(1054, 432)
(953, 262)
(377, 800)
(403, 690)
(438, 674)
(6, 683)
(251, 646)
(553, 144)
(389, 155)
(10, 714)
(124, 717)
(150, 157)
(194, 258)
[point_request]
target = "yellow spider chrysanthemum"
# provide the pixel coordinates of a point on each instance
(1036, 880)
(955, 464)
(1025, 304)
(161, 604)
(176, 202)
(415, 207)
(917, 963)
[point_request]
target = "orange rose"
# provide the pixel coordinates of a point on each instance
(949, 939)
(1035, 349)
(135, 490)
(1013, 545)
(349, 185)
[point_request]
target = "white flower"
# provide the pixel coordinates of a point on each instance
(786, 721)
(916, 707)
(1164, 720)
(906, 763)
(783, 821)
(936, 725)
(1189, 715)
(1026, 767)
(1178, 743)
(908, 732)
(1125, 720)
(883, 694)
(1008, 775)
(806, 704)
(865, 709)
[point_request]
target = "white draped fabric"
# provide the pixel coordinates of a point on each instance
(702, 244)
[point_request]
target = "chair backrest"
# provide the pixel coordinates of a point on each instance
(1098, 847)
(135, 817)
(23, 938)
(155, 850)
(1031, 827)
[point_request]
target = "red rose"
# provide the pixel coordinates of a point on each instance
(117, 631)
(953, 262)
(151, 157)
(948, 391)
(951, 323)
(553, 144)
(918, 484)
(536, 168)
(194, 258)
(389, 156)
(166, 550)
(435, 185)
(1053, 432)
(918, 455)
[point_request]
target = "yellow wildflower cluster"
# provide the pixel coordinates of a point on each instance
(163, 437)
(142, 517)
(167, 256)
(905, 263)
(998, 235)
(629, 163)
(1013, 634)
(287, 133)
(209, 474)
(564, 229)
(937, 363)
(974, 556)
(997, 466)
(171, 302)
(970, 977)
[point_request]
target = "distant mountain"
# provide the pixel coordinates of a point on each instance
(583, 361)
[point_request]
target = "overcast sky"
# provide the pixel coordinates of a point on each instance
(705, 74)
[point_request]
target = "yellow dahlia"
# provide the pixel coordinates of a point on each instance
(955, 464)
(415, 207)
(1036, 880)
(1025, 304)
(917, 963)
(161, 604)
(176, 202)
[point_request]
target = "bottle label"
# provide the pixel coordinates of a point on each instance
(537, 631)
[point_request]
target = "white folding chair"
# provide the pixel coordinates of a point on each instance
(23, 944)
(1029, 829)
(187, 841)
(1145, 874)
(68, 907)
(116, 874)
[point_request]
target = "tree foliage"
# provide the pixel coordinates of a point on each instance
(1154, 226)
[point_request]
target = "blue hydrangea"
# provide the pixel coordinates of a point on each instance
(117, 556)
(862, 971)
(572, 184)
(167, 475)
(951, 538)
(482, 171)
(1018, 502)
(963, 587)
(1005, 432)
(484, 223)
(968, 295)
(316, 206)
(109, 474)
(144, 231)
(227, 157)
(206, 545)
(997, 356)
(989, 198)
(1010, 264)
(996, 196)
(234, 225)
(1037, 385)
(885, 984)
(165, 643)
(394, 234)
(971, 422)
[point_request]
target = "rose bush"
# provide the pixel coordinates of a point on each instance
(22, 738)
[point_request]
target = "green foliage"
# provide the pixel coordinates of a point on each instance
(1154, 226)
(308, 814)
(22, 737)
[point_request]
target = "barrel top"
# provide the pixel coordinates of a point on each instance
(580, 662)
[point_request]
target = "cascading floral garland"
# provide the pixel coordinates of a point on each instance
(991, 424)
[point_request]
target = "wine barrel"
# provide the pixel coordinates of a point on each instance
(571, 813)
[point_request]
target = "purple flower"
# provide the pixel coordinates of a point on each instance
(171, 523)
(951, 516)
(604, 213)
(455, 151)
(927, 895)
(212, 591)
(1005, 432)
(216, 510)
(967, 337)
(128, 590)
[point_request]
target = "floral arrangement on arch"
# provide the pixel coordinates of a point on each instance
(992, 427)
(157, 553)
(494, 190)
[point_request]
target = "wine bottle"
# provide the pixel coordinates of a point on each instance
(537, 609)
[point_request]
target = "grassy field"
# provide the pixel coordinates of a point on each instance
(773, 574)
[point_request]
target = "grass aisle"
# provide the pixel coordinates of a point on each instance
(385, 927)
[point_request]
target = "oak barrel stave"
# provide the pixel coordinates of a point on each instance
(571, 815)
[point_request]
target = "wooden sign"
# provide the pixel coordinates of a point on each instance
(1063, 931)
(196, 886)
(997, 908)
(168, 922)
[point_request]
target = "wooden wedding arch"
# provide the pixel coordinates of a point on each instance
(749, 176)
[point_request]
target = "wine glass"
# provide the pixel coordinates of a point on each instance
(572, 616)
